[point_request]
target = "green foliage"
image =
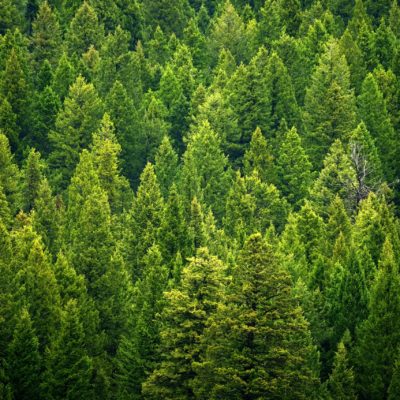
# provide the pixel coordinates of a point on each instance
(75, 123)
(184, 317)
(197, 197)
(266, 327)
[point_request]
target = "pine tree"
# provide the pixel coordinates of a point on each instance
(105, 151)
(283, 99)
(67, 360)
(92, 243)
(329, 107)
(166, 165)
(123, 114)
(46, 35)
(205, 173)
(32, 176)
(136, 355)
(45, 109)
(84, 31)
(184, 318)
(294, 168)
(24, 361)
(378, 336)
(174, 230)
(373, 111)
(258, 343)
(341, 381)
(64, 76)
(259, 157)
(144, 222)
(8, 124)
(15, 88)
(9, 174)
(171, 17)
(35, 284)
(337, 177)
(75, 123)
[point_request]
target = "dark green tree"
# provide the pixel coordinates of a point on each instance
(258, 342)
(24, 361)
(329, 107)
(76, 121)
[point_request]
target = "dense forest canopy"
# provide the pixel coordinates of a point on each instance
(199, 199)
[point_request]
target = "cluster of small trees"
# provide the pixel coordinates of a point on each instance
(199, 199)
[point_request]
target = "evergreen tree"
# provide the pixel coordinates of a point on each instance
(378, 336)
(137, 356)
(341, 381)
(373, 111)
(258, 343)
(294, 168)
(24, 359)
(9, 174)
(144, 222)
(166, 165)
(32, 176)
(64, 76)
(67, 360)
(75, 123)
(337, 177)
(105, 153)
(205, 173)
(184, 317)
(329, 107)
(46, 35)
(84, 31)
(259, 157)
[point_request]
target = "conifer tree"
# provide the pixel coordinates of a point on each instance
(145, 220)
(8, 124)
(137, 354)
(205, 173)
(105, 153)
(24, 361)
(92, 243)
(378, 336)
(283, 99)
(84, 31)
(294, 168)
(171, 17)
(46, 35)
(248, 352)
(35, 284)
(329, 106)
(259, 157)
(46, 107)
(67, 360)
(122, 112)
(184, 317)
(47, 216)
(32, 176)
(373, 111)
(15, 88)
(9, 174)
(75, 123)
(365, 160)
(64, 76)
(166, 165)
(337, 177)
(341, 381)
(174, 230)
